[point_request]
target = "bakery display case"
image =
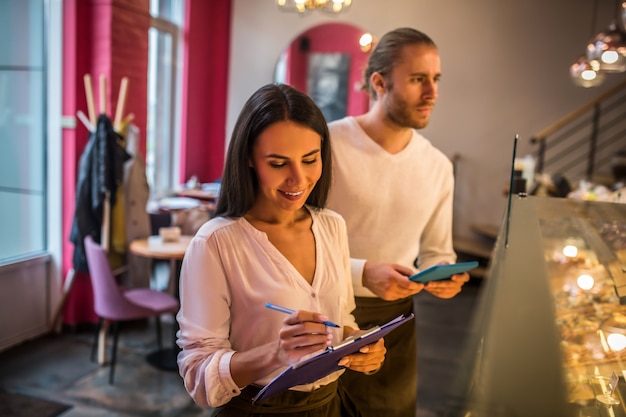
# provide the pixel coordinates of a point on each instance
(549, 334)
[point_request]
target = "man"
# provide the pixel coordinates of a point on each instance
(395, 191)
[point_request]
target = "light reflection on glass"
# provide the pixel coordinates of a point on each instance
(585, 282)
(616, 341)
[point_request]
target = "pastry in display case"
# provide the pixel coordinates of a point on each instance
(549, 335)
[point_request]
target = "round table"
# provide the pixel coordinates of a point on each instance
(155, 248)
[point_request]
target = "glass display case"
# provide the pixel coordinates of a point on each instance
(550, 329)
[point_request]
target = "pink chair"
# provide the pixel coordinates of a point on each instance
(113, 303)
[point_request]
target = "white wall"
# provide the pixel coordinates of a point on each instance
(504, 72)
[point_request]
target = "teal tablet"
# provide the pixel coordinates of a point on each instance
(444, 271)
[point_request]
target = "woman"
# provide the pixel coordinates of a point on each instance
(270, 241)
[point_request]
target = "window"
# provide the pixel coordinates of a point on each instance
(30, 166)
(23, 130)
(164, 86)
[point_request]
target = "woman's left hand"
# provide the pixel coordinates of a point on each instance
(368, 359)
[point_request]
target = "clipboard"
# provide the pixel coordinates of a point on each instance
(311, 369)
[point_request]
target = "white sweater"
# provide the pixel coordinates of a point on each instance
(397, 207)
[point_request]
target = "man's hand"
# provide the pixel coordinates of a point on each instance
(447, 288)
(390, 281)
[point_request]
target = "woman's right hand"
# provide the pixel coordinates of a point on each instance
(302, 333)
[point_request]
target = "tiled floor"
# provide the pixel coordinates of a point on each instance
(58, 367)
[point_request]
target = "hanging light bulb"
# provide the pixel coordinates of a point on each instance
(585, 73)
(609, 49)
(366, 41)
(609, 46)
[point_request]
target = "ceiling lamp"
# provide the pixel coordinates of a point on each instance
(303, 6)
(585, 73)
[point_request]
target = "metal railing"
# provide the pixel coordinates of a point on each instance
(581, 144)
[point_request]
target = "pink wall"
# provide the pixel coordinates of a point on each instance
(206, 86)
(331, 37)
(110, 37)
(76, 62)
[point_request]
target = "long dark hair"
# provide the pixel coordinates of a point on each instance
(386, 54)
(270, 104)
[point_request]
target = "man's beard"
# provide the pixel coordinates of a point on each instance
(399, 112)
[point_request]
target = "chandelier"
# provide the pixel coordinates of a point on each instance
(303, 6)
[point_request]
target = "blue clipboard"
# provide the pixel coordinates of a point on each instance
(443, 271)
(311, 369)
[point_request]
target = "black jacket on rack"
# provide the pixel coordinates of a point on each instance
(101, 169)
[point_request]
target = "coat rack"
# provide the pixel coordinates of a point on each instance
(119, 124)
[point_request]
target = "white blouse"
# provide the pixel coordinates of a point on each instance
(229, 272)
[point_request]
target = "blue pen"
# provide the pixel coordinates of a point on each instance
(289, 311)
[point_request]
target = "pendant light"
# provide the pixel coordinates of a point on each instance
(609, 46)
(585, 72)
